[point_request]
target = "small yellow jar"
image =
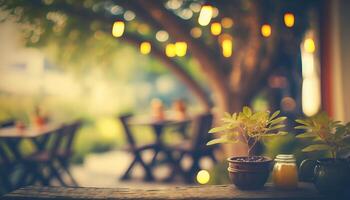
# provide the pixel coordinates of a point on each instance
(285, 172)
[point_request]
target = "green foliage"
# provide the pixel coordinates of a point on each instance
(327, 134)
(251, 126)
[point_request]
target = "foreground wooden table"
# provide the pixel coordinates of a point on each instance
(305, 191)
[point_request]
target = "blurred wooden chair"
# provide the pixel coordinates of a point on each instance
(6, 169)
(46, 165)
(65, 151)
(195, 148)
(39, 166)
(136, 151)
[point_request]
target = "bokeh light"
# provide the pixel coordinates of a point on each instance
(118, 28)
(145, 48)
(170, 50)
(205, 15)
(227, 48)
(203, 177)
(289, 19)
(215, 28)
(196, 32)
(162, 36)
(129, 15)
(181, 48)
(226, 22)
(266, 30)
(309, 45)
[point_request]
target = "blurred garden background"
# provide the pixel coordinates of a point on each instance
(71, 60)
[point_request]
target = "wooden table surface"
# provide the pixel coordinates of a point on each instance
(28, 132)
(305, 191)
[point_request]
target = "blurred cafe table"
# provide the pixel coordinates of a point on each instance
(159, 127)
(39, 135)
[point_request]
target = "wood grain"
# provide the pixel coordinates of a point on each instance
(305, 191)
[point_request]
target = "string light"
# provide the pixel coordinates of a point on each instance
(145, 48)
(205, 15)
(266, 30)
(118, 28)
(226, 22)
(181, 48)
(170, 50)
(309, 45)
(289, 19)
(215, 28)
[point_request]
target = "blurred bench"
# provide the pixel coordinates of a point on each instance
(305, 191)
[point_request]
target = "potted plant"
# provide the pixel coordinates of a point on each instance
(330, 175)
(248, 172)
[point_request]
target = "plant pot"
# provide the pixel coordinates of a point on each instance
(249, 174)
(328, 175)
(331, 176)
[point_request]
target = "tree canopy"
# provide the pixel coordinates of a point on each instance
(261, 41)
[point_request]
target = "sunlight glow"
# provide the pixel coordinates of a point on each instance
(215, 28)
(266, 30)
(203, 177)
(289, 19)
(170, 50)
(145, 48)
(311, 87)
(118, 28)
(205, 15)
(181, 48)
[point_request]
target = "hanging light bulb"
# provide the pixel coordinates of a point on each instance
(215, 28)
(118, 28)
(205, 15)
(266, 30)
(181, 48)
(145, 48)
(170, 50)
(289, 19)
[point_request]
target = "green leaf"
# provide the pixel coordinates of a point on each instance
(281, 133)
(275, 114)
(301, 127)
(276, 127)
(306, 135)
(227, 115)
(300, 121)
(247, 111)
(277, 120)
(316, 147)
(218, 129)
(220, 140)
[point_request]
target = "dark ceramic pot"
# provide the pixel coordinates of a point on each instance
(249, 175)
(329, 176)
